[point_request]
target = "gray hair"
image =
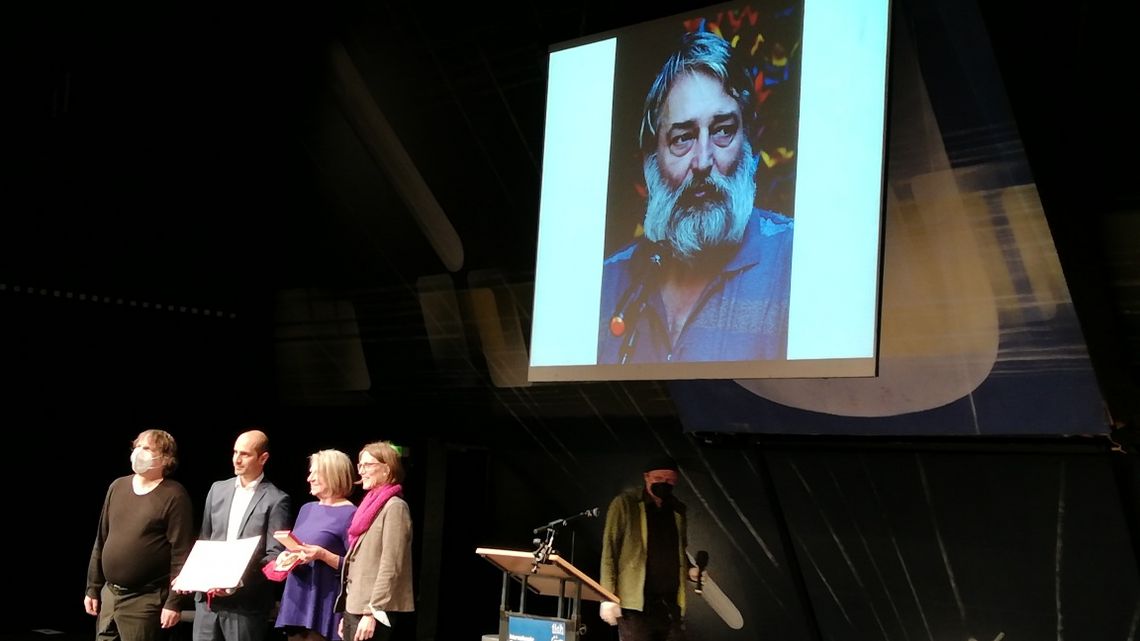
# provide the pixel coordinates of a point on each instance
(705, 53)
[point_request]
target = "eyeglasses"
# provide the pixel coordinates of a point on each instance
(365, 466)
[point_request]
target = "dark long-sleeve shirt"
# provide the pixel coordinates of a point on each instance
(144, 540)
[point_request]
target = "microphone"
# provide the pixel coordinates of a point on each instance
(590, 513)
(702, 563)
(634, 301)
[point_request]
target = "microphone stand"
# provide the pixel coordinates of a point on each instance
(652, 271)
(546, 543)
(544, 550)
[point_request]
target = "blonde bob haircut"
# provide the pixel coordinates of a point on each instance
(334, 469)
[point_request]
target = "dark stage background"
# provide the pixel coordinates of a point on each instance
(204, 232)
(811, 539)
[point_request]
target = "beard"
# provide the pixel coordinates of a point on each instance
(690, 224)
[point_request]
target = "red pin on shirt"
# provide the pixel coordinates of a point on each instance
(617, 325)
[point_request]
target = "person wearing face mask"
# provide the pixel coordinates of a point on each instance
(146, 530)
(376, 576)
(643, 558)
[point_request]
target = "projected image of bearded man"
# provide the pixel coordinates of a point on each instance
(709, 279)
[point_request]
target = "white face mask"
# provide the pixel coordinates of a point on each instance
(141, 460)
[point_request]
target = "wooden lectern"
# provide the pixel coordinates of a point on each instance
(552, 576)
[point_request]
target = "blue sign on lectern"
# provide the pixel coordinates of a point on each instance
(528, 628)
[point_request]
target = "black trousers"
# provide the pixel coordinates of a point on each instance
(219, 623)
(658, 622)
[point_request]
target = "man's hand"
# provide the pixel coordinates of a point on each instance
(695, 573)
(91, 605)
(170, 618)
(175, 580)
(610, 612)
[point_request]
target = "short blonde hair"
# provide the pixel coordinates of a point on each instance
(334, 468)
(384, 452)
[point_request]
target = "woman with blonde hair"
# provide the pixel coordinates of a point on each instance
(320, 538)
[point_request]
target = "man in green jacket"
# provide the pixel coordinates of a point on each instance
(643, 558)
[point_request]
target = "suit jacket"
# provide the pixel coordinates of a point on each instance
(377, 571)
(268, 511)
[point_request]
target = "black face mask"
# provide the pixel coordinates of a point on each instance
(663, 491)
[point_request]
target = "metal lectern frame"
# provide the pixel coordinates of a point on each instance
(550, 576)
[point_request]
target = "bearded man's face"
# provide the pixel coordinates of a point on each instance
(701, 178)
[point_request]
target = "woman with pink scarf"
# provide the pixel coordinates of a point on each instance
(376, 576)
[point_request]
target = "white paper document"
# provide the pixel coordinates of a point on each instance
(215, 565)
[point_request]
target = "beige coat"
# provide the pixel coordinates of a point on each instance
(377, 573)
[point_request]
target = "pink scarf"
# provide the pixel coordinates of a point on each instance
(365, 514)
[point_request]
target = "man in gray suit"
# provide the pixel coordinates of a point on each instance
(237, 508)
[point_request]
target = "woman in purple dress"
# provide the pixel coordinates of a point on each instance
(311, 588)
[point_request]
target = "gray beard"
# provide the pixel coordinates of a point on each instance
(690, 226)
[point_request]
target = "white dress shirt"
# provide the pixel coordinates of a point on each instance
(242, 497)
